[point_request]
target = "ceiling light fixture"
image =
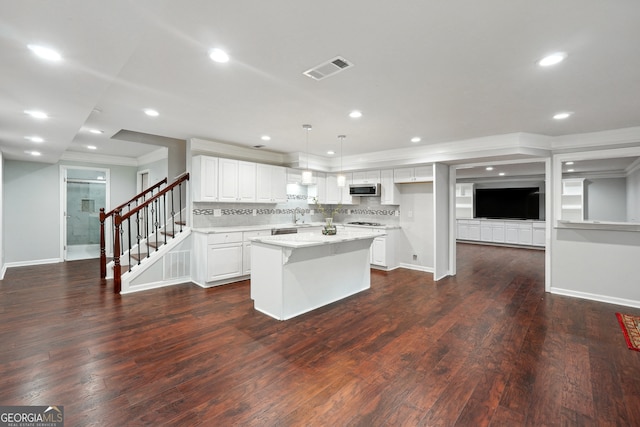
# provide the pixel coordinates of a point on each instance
(37, 114)
(307, 175)
(33, 153)
(553, 59)
(218, 55)
(501, 174)
(96, 131)
(355, 114)
(571, 170)
(92, 147)
(562, 116)
(416, 139)
(331, 152)
(34, 138)
(489, 168)
(45, 52)
(151, 112)
(342, 180)
(265, 138)
(568, 163)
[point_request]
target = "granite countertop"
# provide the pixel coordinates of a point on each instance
(300, 227)
(303, 240)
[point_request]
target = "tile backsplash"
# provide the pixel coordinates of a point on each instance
(206, 214)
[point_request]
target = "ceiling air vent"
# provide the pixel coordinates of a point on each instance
(328, 68)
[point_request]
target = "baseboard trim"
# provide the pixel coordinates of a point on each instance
(416, 267)
(595, 297)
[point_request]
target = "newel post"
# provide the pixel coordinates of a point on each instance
(117, 223)
(103, 254)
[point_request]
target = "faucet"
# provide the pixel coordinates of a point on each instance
(295, 216)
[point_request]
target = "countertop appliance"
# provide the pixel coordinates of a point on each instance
(364, 189)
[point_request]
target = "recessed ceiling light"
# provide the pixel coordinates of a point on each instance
(34, 138)
(568, 163)
(416, 139)
(37, 114)
(96, 131)
(501, 174)
(100, 178)
(45, 52)
(218, 55)
(92, 147)
(33, 153)
(571, 170)
(355, 114)
(552, 59)
(562, 116)
(151, 112)
(331, 152)
(265, 138)
(489, 168)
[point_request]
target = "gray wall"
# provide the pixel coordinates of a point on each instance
(417, 222)
(633, 196)
(31, 207)
(606, 199)
(158, 170)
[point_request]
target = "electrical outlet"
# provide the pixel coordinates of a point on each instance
(217, 212)
(415, 257)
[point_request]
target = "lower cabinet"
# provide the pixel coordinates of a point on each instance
(221, 258)
(526, 233)
(382, 253)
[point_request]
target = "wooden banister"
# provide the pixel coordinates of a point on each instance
(123, 220)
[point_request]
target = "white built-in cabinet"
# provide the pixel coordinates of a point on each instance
(572, 199)
(271, 184)
(389, 191)
(414, 174)
(204, 179)
(528, 233)
(224, 256)
(382, 251)
(237, 181)
(464, 200)
(366, 177)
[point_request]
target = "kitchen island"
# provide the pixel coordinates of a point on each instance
(296, 273)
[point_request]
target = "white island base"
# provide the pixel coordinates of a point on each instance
(289, 279)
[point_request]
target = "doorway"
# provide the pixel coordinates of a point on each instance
(85, 191)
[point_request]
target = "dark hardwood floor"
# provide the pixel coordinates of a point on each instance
(487, 347)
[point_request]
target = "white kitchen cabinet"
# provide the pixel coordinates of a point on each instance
(204, 179)
(414, 174)
(390, 194)
(246, 248)
(379, 251)
(525, 234)
(294, 176)
(348, 199)
(271, 184)
(339, 195)
(237, 181)
(318, 191)
(224, 256)
(366, 177)
(464, 200)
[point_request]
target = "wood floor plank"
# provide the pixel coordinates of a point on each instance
(486, 347)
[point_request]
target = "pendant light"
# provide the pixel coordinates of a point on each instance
(342, 180)
(307, 175)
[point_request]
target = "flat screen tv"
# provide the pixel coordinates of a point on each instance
(508, 203)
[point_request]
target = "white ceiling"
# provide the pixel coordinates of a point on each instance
(441, 70)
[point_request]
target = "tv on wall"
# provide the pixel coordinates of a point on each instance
(508, 203)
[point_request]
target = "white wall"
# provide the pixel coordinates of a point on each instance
(31, 207)
(606, 199)
(416, 220)
(633, 196)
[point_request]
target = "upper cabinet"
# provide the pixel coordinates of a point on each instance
(414, 174)
(390, 194)
(204, 179)
(366, 177)
(237, 181)
(339, 195)
(318, 192)
(271, 184)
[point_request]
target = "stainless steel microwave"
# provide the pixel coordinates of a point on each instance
(364, 189)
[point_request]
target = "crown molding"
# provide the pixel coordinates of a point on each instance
(197, 146)
(72, 156)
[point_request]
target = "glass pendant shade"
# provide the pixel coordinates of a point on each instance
(307, 177)
(342, 180)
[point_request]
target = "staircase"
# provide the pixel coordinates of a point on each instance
(143, 228)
